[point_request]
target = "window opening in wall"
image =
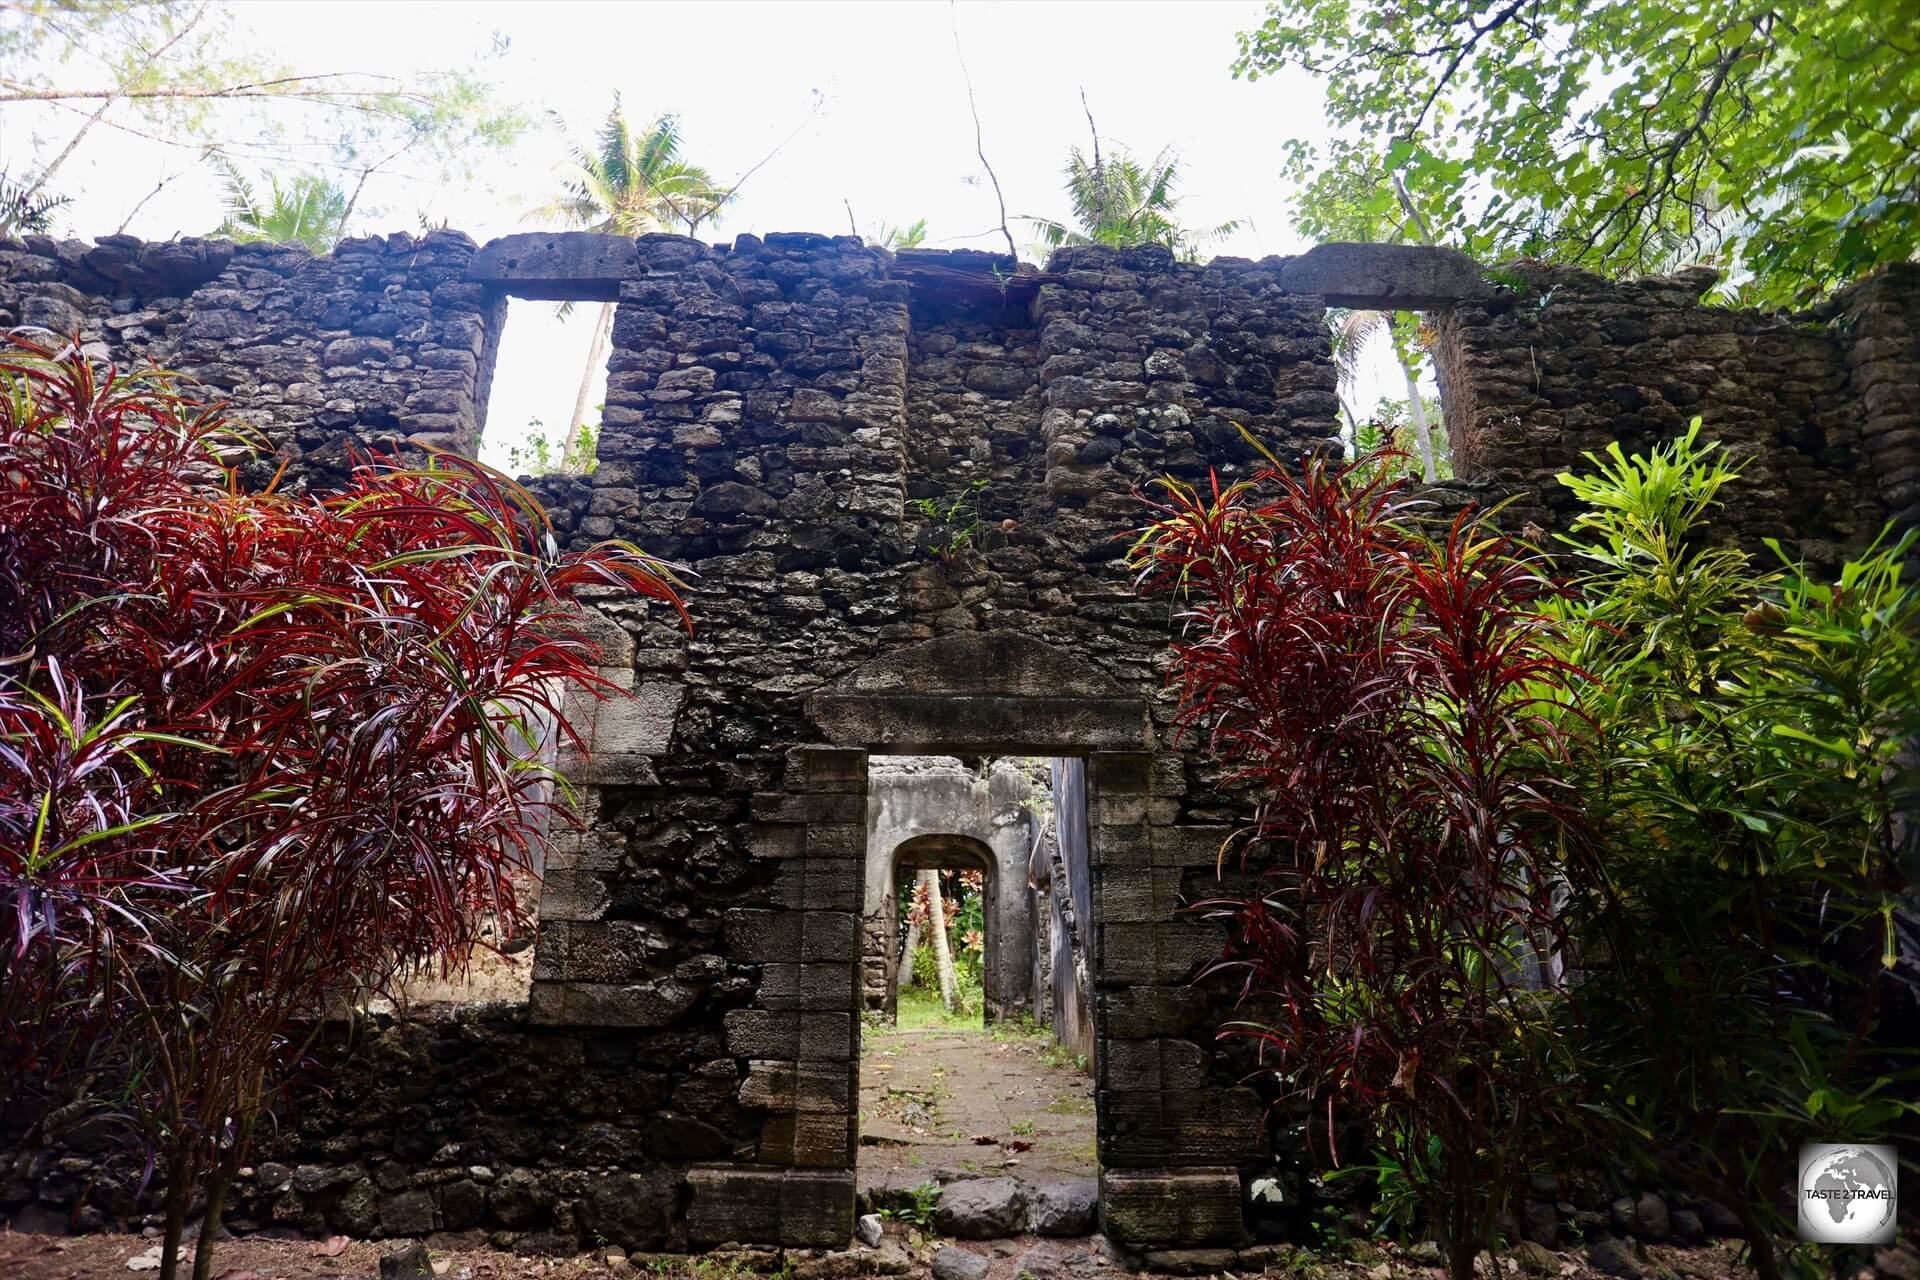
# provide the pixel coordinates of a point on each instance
(549, 388)
(1389, 395)
(985, 1072)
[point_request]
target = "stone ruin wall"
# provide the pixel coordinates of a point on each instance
(685, 1071)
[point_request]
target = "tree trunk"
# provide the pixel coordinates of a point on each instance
(210, 1222)
(937, 924)
(596, 357)
(179, 1194)
(1417, 413)
(904, 975)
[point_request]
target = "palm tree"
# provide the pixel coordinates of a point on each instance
(1353, 332)
(309, 210)
(1120, 202)
(631, 184)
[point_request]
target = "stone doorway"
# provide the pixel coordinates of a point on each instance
(1171, 1131)
(983, 1091)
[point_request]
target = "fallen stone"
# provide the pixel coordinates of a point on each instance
(1719, 1219)
(1688, 1229)
(1190, 1262)
(1536, 1258)
(1065, 1207)
(1541, 1222)
(868, 1227)
(1614, 1256)
(955, 1263)
(406, 1260)
(981, 1209)
(1037, 1263)
(1650, 1218)
(1897, 1264)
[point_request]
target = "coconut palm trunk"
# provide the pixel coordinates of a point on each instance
(1417, 414)
(596, 360)
(937, 926)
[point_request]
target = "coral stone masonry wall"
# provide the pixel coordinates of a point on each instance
(383, 338)
(901, 485)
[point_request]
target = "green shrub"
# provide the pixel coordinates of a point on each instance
(1745, 779)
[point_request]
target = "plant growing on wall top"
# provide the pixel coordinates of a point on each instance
(258, 753)
(1117, 200)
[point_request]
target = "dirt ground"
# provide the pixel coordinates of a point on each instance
(940, 1102)
(904, 1253)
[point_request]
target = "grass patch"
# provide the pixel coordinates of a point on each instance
(921, 1010)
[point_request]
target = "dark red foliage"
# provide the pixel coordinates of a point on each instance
(257, 750)
(1381, 695)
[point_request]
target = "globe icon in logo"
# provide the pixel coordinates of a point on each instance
(1848, 1194)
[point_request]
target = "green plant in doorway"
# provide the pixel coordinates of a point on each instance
(953, 521)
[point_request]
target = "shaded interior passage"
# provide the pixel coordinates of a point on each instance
(940, 1103)
(975, 1053)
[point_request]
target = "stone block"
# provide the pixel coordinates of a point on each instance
(769, 1085)
(1117, 773)
(1195, 846)
(1171, 1207)
(1149, 1012)
(1165, 951)
(828, 1037)
(1385, 277)
(776, 840)
(827, 769)
(763, 937)
(1150, 1066)
(556, 266)
(804, 807)
(817, 884)
(574, 895)
(838, 839)
(407, 1213)
(1135, 894)
(657, 1003)
(762, 1033)
(981, 1209)
(830, 936)
(823, 1087)
(813, 987)
(639, 724)
(1180, 1127)
(824, 1140)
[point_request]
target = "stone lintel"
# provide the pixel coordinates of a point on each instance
(556, 266)
(1385, 277)
(1017, 726)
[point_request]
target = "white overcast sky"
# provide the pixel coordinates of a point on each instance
(893, 136)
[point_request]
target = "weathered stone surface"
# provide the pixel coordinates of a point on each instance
(1614, 1257)
(955, 1263)
(769, 1206)
(1197, 1207)
(558, 266)
(1385, 277)
(1063, 1207)
(407, 1260)
(981, 1208)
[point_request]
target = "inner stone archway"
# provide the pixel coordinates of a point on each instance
(928, 813)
